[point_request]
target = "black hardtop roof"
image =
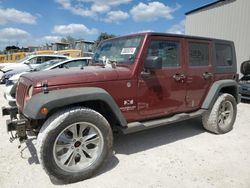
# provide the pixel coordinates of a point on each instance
(174, 35)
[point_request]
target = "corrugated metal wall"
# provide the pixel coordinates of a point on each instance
(229, 21)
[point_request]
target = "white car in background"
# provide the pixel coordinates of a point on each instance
(29, 62)
(10, 86)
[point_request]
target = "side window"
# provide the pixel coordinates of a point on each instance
(77, 63)
(39, 60)
(47, 58)
(60, 57)
(32, 60)
(198, 54)
(223, 55)
(169, 51)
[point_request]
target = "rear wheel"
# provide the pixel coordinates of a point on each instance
(73, 144)
(220, 119)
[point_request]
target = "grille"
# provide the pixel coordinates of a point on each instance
(21, 93)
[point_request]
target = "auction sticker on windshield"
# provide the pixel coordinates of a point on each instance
(128, 51)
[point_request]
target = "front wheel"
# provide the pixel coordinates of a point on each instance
(73, 144)
(220, 119)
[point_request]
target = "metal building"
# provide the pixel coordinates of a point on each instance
(223, 19)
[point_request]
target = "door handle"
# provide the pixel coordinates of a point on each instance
(207, 75)
(179, 77)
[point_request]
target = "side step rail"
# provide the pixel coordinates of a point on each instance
(139, 126)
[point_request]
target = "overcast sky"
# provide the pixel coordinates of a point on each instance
(36, 22)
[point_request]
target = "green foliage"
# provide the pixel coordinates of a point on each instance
(103, 36)
(69, 39)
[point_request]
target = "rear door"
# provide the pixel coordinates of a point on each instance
(199, 72)
(162, 92)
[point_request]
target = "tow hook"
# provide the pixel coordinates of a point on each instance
(14, 124)
(20, 127)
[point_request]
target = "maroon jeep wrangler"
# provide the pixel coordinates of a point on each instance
(135, 82)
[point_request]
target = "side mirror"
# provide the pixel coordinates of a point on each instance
(153, 63)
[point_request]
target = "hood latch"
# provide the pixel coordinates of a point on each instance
(45, 87)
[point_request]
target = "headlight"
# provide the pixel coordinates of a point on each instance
(10, 82)
(28, 95)
(8, 76)
(30, 91)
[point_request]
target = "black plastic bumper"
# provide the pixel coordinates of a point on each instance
(10, 111)
(15, 124)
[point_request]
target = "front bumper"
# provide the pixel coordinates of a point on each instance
(2, 80)
(15, 124)
(7, 93)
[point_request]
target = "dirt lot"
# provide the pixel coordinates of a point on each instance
(178, 155)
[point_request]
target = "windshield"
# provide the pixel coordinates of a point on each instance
(120, 50)
(48, 64)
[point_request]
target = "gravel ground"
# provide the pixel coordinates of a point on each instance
(177, 155)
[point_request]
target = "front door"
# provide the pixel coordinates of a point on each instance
(162, 92)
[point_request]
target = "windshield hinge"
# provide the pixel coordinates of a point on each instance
(45, 87)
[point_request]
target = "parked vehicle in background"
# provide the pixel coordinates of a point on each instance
(244, 81)
(71, 53)
(20, 71)
(137, 82)
(10, 86)
(27, 64)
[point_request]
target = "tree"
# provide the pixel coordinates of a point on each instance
(103, 36)
(12, 48)
(69, 39)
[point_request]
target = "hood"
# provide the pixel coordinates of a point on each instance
(78, 76)
(14, 66)
(17, 71)
(15, 77)
(2, 65)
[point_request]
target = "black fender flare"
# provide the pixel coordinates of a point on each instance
(215, 90)
(64, 97)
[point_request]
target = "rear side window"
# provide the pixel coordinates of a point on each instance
(169, 51)
(198, 54)
(223, 55)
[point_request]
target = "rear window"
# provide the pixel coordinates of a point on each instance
(224, 55)
(198, 54)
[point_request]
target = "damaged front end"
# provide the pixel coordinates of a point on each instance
(17, 123)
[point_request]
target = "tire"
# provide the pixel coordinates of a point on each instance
(220, 119)
(74, 143)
